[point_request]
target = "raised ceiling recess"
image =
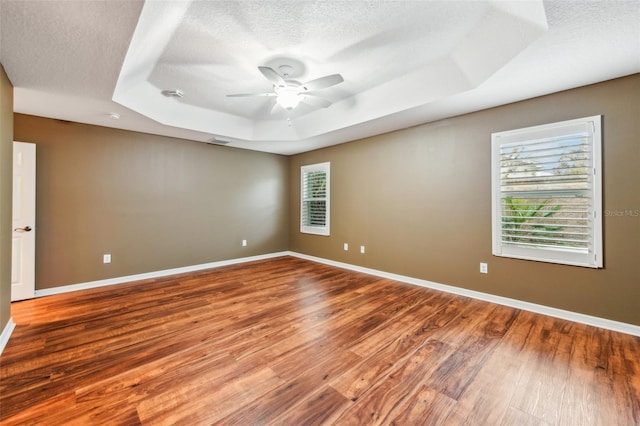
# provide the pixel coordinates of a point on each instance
(393, 56)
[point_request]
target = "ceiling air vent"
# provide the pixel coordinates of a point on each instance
(175, 93)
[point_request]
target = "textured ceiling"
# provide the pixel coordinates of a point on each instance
(403, 62)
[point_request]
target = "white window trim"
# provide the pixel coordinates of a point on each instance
(593, 259)
(316, 230)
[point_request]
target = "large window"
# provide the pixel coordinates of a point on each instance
(546, 190)
(314, 206)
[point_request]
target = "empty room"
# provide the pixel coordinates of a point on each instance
(305, 212)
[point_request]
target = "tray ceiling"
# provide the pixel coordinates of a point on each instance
(403, 63)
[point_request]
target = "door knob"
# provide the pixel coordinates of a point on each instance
(25, 229)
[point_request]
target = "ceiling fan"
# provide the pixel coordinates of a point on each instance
(290, 93)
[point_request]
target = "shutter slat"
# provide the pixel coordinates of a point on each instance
(528, 160)
(547, 140)
(516, 232)
(549, 246)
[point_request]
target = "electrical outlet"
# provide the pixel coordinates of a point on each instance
(244, 243)
(106, 258)
(346, 247)
(484, 268)
(362, 249)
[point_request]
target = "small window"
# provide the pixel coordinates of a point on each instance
(314, 206)
(546, 193)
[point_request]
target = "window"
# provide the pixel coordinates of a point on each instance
(546, 193)
(314, 206)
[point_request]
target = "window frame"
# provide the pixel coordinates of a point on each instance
(310, 168)
(593, 258)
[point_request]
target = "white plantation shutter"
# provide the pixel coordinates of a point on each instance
(314, 205)
(546, 187)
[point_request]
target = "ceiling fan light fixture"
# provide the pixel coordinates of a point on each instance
(288, 97)
(289, 93)
(289, 100)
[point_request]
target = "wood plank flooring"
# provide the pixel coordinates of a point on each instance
(290, 342)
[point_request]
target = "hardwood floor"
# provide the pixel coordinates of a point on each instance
(290, 342)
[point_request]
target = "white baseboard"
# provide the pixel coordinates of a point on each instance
(149, 275)
(6, 333)
(514, 303)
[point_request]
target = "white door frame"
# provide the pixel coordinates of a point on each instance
(24, 221)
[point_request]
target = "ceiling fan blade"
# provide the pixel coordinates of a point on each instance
(276, 108)
(246, 95)
(322, 82)
(316, 101)
(271, 75)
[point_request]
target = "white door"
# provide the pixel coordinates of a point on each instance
(24, 221)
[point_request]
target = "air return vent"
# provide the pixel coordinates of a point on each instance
(216, 141)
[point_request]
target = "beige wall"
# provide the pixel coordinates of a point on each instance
(6, 177)
(420, 201)
(152, 202)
